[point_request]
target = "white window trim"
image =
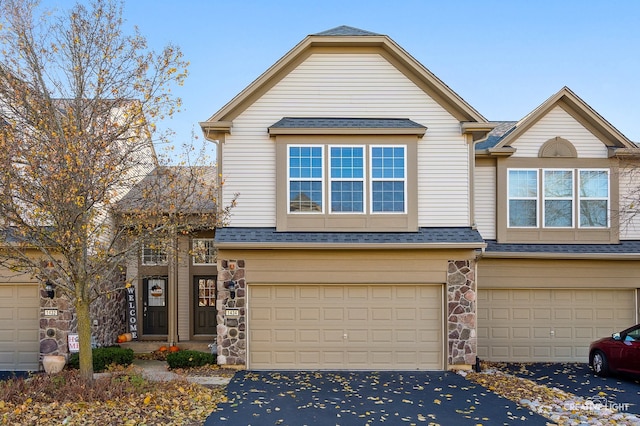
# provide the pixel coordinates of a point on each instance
(608, 198)
(321, 179)
(330, 179)
(536, 198)
(193, 257)
(371, 179)
(145, 263)
(542, 179)
(576, 198)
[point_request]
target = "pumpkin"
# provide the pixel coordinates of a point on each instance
(120, 339)
(173, 348)
(163, 348)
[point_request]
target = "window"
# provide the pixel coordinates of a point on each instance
(305, 178)
(360, 179)
(558, 198)
(347, 179)
(594, 198)
(523, 198)
(203, 251)
(153, 254)
(388, 179)
(561, 194)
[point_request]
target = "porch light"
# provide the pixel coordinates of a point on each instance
(50, 289)
(232, 289)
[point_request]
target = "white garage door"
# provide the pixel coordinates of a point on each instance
(19, 333)
(549, 325)
(337, 327)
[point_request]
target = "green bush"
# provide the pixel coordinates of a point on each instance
(103, 357)
(187, 359)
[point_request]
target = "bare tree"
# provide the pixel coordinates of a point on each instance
(78, 103)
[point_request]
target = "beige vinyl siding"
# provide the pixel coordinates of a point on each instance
(353, 266)
(629, 195)
(559, 123)
(557, 273)
(346, 85)
(485, 201)
(184, 289)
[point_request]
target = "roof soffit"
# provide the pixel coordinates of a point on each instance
(381, 44)
(580, 111)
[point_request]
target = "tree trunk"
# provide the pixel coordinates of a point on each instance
(84, 337)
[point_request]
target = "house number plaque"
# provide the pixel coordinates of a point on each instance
(50, 312)
(232, 312)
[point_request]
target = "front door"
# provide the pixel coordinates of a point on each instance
(154, 300)
(204, 312)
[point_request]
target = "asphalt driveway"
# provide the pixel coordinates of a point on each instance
(579, 379)
(363, 398)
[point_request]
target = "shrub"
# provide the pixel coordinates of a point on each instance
(188, 358)
(103, 357)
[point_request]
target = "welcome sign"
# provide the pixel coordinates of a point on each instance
(132, 312)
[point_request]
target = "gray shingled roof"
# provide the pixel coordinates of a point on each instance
(422, 236)
(346, 123)
(502, 129)
(345, 30)
(624, 247)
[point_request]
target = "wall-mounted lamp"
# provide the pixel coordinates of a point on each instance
(50, 289)
(232, 289)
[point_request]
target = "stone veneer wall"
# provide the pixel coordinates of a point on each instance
(461, 312)
(231, 331)
(109, 310)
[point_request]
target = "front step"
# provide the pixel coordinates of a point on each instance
(150, 346)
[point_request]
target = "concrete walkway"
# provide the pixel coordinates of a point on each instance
(158, 371)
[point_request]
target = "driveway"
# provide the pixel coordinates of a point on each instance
(359, 398)
(578, 379)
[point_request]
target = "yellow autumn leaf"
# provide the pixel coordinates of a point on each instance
(147, 400)
(437, 401)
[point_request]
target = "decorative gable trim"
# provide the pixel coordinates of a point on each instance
(558, 147)
(341, 41)
(580, 111)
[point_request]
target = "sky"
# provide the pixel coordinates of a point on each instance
(504, 58)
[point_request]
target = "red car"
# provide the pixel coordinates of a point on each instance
(619, 353)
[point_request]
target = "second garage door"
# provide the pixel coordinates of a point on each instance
(19, 333)
(549, 325)
(337, 327)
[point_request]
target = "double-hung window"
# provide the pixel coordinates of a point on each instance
(306, 188)
(154, 254)
(388, 179)
(203, 251)
(359, 179)
(558, 198)
(347, 179)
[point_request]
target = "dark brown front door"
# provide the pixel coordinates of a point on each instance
(154, 300)
(204, 312)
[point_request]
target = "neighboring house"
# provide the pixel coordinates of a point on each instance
(175, 287)
(383, 223)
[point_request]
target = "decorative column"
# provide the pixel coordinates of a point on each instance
(461, 315)
(231, 318)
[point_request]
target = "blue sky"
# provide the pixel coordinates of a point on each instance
(503, 57)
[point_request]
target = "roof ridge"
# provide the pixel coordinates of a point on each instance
(345, 30)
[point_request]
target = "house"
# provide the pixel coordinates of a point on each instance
(383, 223)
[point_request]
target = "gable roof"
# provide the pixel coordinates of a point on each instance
(338, 38)
(499, 140)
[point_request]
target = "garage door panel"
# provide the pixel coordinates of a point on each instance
(347, 327)
(20, 334)
(561, 323)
